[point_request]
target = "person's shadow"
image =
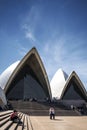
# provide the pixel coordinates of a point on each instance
(58, 119)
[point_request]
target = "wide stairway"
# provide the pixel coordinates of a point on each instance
(7, 124)
(42, 108)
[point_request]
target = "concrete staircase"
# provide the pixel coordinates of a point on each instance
(42, 108)
(6, 124)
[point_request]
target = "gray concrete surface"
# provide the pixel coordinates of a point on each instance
(60, 123)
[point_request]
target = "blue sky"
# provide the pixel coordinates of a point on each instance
(57, 28)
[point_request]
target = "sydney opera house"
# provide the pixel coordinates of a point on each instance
(68, 89)
(28, 79)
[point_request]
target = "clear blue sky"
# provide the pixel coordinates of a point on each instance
(57, 28)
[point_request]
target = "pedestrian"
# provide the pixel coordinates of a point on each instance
(52, 113)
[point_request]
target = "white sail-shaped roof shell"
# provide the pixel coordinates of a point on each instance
(7, 73)
(33, 61)
(57, 83)
(73, 77)
(2, 96)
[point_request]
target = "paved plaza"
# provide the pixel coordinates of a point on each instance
(60, 123)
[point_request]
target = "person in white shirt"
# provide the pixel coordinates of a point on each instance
(52, 113)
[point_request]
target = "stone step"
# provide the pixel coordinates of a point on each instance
(7, 124)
